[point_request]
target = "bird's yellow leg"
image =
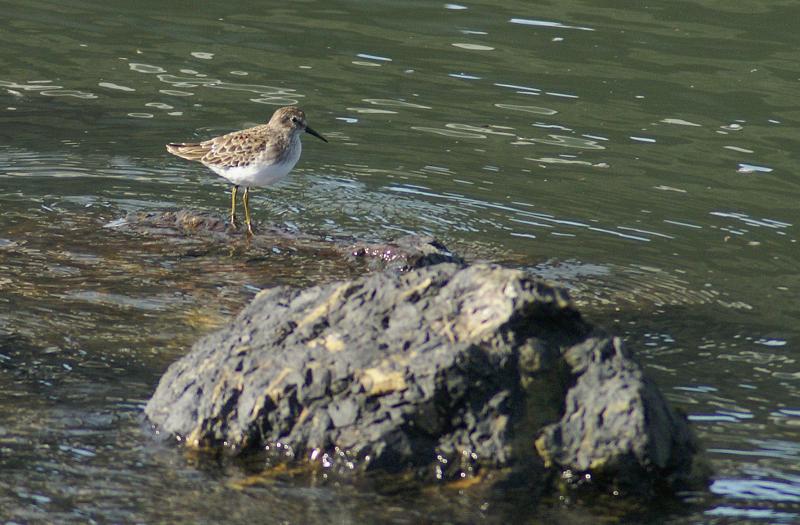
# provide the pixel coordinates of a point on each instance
(246, 202)
(233, 206)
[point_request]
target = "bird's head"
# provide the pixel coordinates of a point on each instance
(294, 119)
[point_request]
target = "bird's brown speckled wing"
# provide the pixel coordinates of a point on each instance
(241, 148)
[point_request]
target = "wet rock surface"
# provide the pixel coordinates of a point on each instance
(617, 427)
(213, 230)
(441, 371)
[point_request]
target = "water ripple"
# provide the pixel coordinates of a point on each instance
(46, 88)
(528, 109)
(547, 23)
(271, 95)
(758, 489)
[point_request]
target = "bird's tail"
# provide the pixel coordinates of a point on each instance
(187, 150)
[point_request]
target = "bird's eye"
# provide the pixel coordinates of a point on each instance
(294, 119)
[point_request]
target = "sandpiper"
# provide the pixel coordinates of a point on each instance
(258, 156)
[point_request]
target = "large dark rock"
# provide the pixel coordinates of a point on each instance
(440, 370)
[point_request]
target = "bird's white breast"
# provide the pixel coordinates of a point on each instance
(262, 172)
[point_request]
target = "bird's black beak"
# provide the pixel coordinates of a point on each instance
(320, 137)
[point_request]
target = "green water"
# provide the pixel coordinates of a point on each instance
(645, 156)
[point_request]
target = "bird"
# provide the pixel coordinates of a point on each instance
(254, 157)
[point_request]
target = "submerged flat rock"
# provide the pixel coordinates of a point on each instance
(404, 253)
(443, 371)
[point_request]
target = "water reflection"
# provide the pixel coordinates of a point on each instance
(118, 87)
(472, 47)
(394, 103)
(547, 23)
(267, 94)
(763, 489)
(44, 88)
(373, 57)
(565, 141)
(527, 109)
